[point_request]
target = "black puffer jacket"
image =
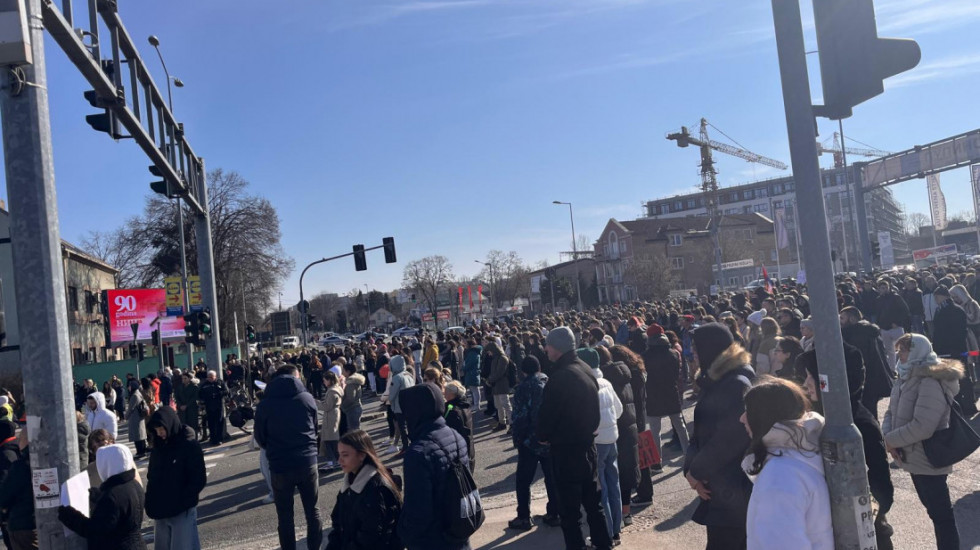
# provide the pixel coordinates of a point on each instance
(866, 337)
(459, 417)
(618, 374)
(365, 515)
(434, 446)
(117, 517)
(16, 494)
(569, 414)
(663, 366)
(285, 425)
(176, 474)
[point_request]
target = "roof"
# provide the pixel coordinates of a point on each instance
(654, 228)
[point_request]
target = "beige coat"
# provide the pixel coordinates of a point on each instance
(330, 427)
(918, 408)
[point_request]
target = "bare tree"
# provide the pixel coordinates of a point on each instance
(426, 276)
(249, 262)
(511, 276)
(915, 220)
(652, 276)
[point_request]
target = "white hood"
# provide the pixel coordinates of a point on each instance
(99, 400)
(113, 459)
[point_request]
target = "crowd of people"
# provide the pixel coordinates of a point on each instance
(577, 393)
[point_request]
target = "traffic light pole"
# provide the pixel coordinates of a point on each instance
(205, 268)
(45, 358)
(840, 442)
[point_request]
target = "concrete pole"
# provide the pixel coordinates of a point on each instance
(183, 276)
(840, 442)
(41, 302)
(205, 267)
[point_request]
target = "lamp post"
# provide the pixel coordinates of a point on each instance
(493, 289)
(155, 42)
(578, 282)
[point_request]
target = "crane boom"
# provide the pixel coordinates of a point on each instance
(745, 155)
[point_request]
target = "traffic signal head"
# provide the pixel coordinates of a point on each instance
(191, 330)
(204, 322)
(141, 352)
(250, 333)
(853, 60)
(133, 350)
(389, 245)
(360, 262)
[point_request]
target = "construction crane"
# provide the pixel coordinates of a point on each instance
(839, 157)
(709, 176)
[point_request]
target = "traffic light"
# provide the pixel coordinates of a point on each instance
(875, 250)
(161, 186)
(204, 324)
(413, 298)
(141, 351)
(311, 321)
(250, 333)
(360, 262)
(134, 350)
(191, 329)
(389, 244)
(853, 60)
(106, 122)
(303, 306)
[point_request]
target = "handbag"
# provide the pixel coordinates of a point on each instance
(953, 444)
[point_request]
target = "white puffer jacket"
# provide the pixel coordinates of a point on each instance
(790, 503)
(610, 409)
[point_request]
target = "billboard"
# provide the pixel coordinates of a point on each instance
(931, 254)
(280, 324)
(140, 305)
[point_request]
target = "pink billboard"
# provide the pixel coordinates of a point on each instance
(143, 306)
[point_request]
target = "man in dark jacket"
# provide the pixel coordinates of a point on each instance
(166, 387)
(17, 498)
(867, 339)
(950, 341)
(285, 426)
(713, 463)
(175, 477)
(912, 297)
(893, 318)
(663, 365)
(434, 446)
(213, 393)
(530, 451)
(567, 421)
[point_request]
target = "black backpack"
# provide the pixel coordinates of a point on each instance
(511, 373)
(462, 509)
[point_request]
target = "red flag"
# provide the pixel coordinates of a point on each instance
(479, 292)
(765, 275)
(469, 289)
(460, 296)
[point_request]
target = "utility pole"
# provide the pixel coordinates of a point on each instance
(840, 442)
(205, 268)
(38, 270)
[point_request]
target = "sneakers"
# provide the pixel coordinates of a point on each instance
(520, 524)
(268, 499)
(510, 430)
(641, 501)
(551, 520)
(657, 468)
(628, 520)
(392, 449)
(499, 427)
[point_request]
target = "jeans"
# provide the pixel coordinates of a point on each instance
(283, 484)
(918, 324)
(371, 382)
(354, 419)
(527, 465)
(612, 502)
(177, 533)
(402, 429)
(888, 338)
(504, 410)
(679, 425)
(475, 395)
(576, 479)
(934, 494)
(264, 468)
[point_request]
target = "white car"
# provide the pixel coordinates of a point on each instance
(405, 331)
(335, 341)
(451, 330)
(290, 342)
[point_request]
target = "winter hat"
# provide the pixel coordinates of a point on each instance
(589, 356)
(941, 290)
(607, 341)
(806, 323)
(655, 330)
(530, 365)
(756, 317)
(710, 341)
(562, 339)
(688, 318)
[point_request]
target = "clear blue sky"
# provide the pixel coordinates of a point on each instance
(452, 124)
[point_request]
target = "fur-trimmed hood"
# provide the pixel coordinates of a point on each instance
(733, 358)
(945, 371)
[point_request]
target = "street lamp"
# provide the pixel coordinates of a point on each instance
(155, 42)
(578, 283)
(493, 289)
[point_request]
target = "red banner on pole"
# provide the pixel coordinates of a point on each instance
(460, 296)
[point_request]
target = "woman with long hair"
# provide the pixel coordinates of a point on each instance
(783, 359)
(366, 514)
(790, 503)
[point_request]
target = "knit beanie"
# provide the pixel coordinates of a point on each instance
(562, 339)
(655, 330)
(589, 356)
(710, 341)
(756, 317)
(530, 365)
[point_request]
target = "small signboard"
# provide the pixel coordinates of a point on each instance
(195, 300)
(175, 296)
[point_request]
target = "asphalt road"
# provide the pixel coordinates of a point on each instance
(231, 514)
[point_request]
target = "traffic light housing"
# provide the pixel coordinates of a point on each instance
(360, 262)
(141, 351)
(853, 61)
(204, 323)
(107, 121)
(191, 329)
(250, 333)
(875, 250)
(134, 350)
(389, 246)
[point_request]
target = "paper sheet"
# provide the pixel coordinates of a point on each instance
(74, 492)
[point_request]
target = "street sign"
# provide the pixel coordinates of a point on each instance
(280, 324)
(919, 162)
(175, 296)
(930, 254)
(194, 297)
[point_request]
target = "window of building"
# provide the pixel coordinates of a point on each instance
(678, 206)
(791, 186)
(72, 298)
(747, 194)
(91, 302)
(761, 207)
(675, 239)
(777, 188)
(677, 263)
(664, 208)
(746, 209)
(734, 196)
(733, 281)
(761, 192)
(777, 204)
